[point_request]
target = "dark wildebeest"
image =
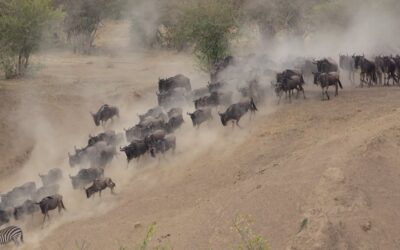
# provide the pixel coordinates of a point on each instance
(287, 81)
(178, 81)
(164, 144)
(144, 128)
(5, 216)
(368, 70)
(97, 155)
(389, 69)
(327, 79)
(86, 176)
(199, 116)
(175, 120)
(198, 93)
(236, 111)
(19, 194)
(135, 149)
(29, 207)
(52, 176)
(214, 99)
(216, 86)
(99, 185)
(326, 65)
(109, 136)
(173, 97)
(157, 112)
(347, 63)
(104, 114)
(50, 203)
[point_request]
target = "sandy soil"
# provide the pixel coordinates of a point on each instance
(334, 163)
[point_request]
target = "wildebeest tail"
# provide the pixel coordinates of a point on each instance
(340, 84)
(253, 105)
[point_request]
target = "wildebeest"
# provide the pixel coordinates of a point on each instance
(199, 116)
(220, 66)
(214, 99)
(144, 128)
(29, 207)
(368, 70)
(18, 195)
(46, 190)
(135, 149)
(99, 185)
(253, 90)
(105, 113)
(86, 176)
(236, 111)
(50, 203)
(97, 155)
(52, 176)
(178, 81)
(173, 97)
(5, 216)
(198, 93)
(164, 144)
(154, 137)
(327, 79)
(175, 120)
(287, 81)
(389, 69)
(109, 136)
(347, 63)
(326, 65)
(156, 112)
(216, 86)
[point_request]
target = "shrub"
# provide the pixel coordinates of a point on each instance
(22, 23)
(208, 26)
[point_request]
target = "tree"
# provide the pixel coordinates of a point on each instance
(22, 23)
(207, 26)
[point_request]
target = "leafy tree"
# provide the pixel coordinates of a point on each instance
(207, 26)
(22, 23)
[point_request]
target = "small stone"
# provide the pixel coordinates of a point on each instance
(137, 225)
(366, 226)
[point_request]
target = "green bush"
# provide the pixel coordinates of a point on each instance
(22, 23)
(207, 26)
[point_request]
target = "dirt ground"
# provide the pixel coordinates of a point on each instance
(333, 165)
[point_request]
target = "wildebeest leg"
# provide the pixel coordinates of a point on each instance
(336, 89)
(326, 92)
(237, 124)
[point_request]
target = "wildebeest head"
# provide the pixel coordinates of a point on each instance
(357, 60)
(223, 118)
(95, 119)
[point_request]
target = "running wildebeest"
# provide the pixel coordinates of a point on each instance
(175, 120)
(104, 114)
(164, 144)
(97, 155)
(52, 176)
(199, 116)
(99, 185)
(109, 136)
(154, 113)
(236, 111)
(46, 190)
(287, 81)
(173, 97)
(368, 70)
(347, 63)
(326, 65)
(29, 207)
(178, 81)
(135, 149)
(18, 195)
(389, 70)
(5, 216)
(327, 79)
(50, 203)
(86, 176)
(144, 128)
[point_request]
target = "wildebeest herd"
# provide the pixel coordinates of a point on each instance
(154, 134)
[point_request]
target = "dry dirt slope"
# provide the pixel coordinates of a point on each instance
(335, 163)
